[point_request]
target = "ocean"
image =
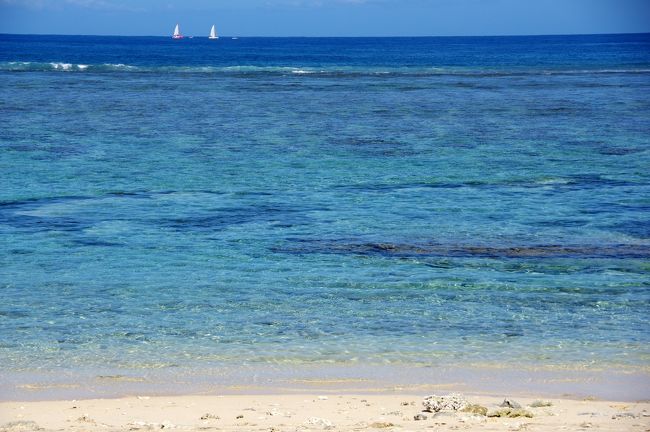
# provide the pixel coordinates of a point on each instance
(303, 202)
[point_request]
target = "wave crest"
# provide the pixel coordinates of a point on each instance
(22, 66)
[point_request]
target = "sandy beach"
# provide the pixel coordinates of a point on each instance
(313, 412)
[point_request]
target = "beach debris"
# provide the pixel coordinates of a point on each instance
(406, 403)
(586, 425)
(510, 413)
(623, 415)
(85, 419)
(150, 426)
(541, 404)
(20, 426)
(392, 413)
(240, 416)
(144, 397)
(208, 416)
(420, 416)
(475, 409)
(317, 421)
(381, 425)
(509, 403)
(137, 425)
(322, 398)
(450, 402)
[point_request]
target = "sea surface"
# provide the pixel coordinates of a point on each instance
(324, 201)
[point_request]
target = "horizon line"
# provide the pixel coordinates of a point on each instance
(333, 37)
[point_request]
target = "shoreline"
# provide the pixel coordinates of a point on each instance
(599, 384)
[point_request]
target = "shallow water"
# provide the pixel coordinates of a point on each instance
(424, 201)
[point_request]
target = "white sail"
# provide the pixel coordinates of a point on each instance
(213, 33)
(177, 33)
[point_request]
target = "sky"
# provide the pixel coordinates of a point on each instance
(325, 17)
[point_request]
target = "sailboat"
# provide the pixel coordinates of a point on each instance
(177, 33)
(213, 33)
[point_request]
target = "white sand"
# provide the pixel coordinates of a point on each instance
(291, 412)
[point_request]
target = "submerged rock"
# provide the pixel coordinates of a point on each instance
(510, 413)
(450, 402)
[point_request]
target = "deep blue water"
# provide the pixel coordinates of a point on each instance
(415, 200)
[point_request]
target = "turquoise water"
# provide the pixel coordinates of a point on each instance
(421, 201)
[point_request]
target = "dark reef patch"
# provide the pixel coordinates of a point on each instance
(460, 251)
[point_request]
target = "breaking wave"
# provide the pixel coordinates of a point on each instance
(20, 66)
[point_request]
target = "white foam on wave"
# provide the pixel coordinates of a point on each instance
(17, 66)
(552, 181)
(69, 66)
(119, 66)
(299, 70)
(62, 66)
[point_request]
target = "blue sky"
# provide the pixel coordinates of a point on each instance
(325, 17)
